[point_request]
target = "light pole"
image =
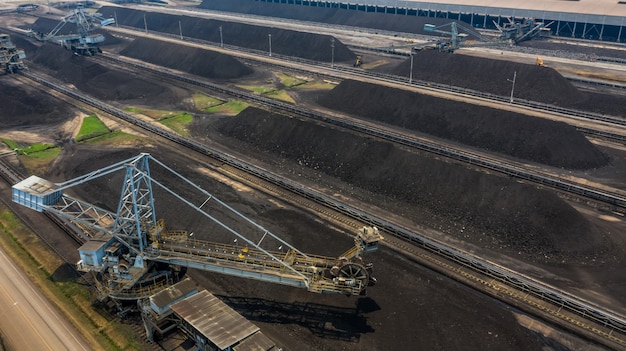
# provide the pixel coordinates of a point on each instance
(221, 38)
(180, 27)
(513, 85)
(411, 72)
(270, 39)
(332, 52)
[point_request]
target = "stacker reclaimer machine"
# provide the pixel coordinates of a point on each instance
(132, 254)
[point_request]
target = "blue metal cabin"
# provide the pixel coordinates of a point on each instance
(36, 193)
(93, 251)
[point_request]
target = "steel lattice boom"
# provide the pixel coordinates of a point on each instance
(82, 42)
(131, 240)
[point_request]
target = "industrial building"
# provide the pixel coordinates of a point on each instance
(589, 19)
(211, 323)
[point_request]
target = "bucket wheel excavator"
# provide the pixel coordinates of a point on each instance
(82, 42)
(11, 58)
(130, 248)
(457, 37)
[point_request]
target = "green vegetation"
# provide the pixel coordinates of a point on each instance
(269, 92)
(230, 108)
(10, 143)
(281, 95)
(317, 85)
(116, 137)
(203, 102)
(35, 157)
(290, 81)
(36, 150)
(92, 127)
(154, 114)
(63, 287)
(177, 122)
(259, 89)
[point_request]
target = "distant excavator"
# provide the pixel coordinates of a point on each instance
(539, 62)
(458, 36)
(82, 42)
(358, 61)
(453, 38)
(11, 58)
(528, 29)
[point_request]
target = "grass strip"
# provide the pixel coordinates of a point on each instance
(68, 294)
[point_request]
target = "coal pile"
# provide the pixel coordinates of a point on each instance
(331, 15)
(284, 42)
(204, 63)
(24, 106)
(97, 80)
(560, 49)
(532, 82)
(530, 138)
(509, 215)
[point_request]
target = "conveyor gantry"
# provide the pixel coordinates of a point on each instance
(132, 240)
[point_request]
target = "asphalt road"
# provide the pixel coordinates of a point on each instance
(27, 320)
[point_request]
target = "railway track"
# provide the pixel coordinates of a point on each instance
(576, 313)
(615, 200)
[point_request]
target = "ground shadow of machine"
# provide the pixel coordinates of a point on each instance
(338, 323)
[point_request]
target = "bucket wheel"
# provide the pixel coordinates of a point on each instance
(355, 271)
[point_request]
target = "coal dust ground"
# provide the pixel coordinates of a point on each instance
(516, 224)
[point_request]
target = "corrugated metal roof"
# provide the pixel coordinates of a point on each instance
(610, 12)
(592, 7)
(35, 185)
(173, 293)
(256, 342)
(94, 244)
(214, 319)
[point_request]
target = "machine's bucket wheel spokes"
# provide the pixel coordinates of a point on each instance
(355, 271)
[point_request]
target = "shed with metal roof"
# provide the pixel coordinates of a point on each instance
(209, 320)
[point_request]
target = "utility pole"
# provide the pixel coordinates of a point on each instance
(180, 27)
(145, 24)
(270, 39)
(115, 16)
(332, 52)
(513, 85)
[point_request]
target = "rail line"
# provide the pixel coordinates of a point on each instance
(604, 324)
(614, 199)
